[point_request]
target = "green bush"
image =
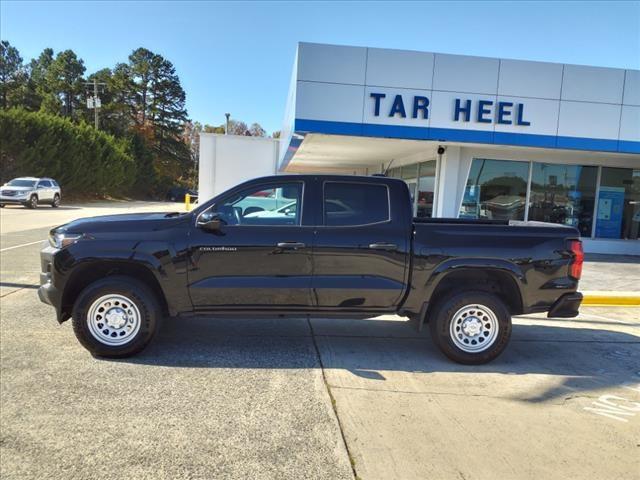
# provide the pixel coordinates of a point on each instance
(82, 159)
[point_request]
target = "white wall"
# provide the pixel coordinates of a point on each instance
(226, 160)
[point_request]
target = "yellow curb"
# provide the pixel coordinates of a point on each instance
(611, 299)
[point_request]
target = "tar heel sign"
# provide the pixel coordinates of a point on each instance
(463, 109)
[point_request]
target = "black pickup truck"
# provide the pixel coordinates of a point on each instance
(309, 245)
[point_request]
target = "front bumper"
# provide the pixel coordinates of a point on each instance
(566, 306)
(48, 293)
(13, 200)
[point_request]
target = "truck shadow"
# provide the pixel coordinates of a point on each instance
(378, 353)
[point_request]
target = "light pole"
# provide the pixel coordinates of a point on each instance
(226, 130)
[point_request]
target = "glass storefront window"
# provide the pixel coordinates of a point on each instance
(618, 212)
(563, 194)
(426, 187)
(495, 190)
(409, 172)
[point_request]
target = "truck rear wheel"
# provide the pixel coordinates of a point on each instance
(116, 317)
(471, 327)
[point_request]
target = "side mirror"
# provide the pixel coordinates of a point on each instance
(209, 221)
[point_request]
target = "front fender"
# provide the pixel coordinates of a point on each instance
(81, 261)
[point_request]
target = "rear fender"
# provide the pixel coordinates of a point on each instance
(423, 291)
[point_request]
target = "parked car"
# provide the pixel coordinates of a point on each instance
(117, 276)
(30, 191)
(177, 194)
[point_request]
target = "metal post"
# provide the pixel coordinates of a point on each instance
(226, 130)
(527, 198)
(95, 99)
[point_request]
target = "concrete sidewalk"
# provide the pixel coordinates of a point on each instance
(617, 273)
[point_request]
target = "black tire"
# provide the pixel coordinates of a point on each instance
(1, 205)
(56, 201)
(447, 311)
(33, 202)
(144, 300)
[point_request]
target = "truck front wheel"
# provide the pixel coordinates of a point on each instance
(471, 327)
(116, 317)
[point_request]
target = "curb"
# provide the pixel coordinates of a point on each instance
(611, 299)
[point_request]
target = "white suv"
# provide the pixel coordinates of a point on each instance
(30, 191)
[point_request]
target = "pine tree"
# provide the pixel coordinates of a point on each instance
(64, 76)
(13, 78)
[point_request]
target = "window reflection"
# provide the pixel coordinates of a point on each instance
(618, 212)
(421, 180)
(495, 190)
(426, 187)
(563, 194)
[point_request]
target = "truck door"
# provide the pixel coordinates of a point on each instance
(361, 246)
(260, 256)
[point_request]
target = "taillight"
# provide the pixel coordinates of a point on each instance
(575, 269)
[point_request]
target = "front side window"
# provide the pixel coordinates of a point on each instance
(495, 190)
(563, 194)
(273, 204)
(355, 204)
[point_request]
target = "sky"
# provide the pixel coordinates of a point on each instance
(237, 57)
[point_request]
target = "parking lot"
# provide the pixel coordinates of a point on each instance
(299, 398)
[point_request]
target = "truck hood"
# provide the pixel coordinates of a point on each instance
(128, 222)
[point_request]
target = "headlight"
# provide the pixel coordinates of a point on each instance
(62, 240)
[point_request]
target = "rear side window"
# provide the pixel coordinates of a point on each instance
(44, 183)
(355, 203)
(54, 183)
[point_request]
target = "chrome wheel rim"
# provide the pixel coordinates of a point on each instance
(56, 200)
(34, 202)
(113, 319)
(474, 328)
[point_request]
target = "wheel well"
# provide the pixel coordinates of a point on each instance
(91, 272)
(500, 283)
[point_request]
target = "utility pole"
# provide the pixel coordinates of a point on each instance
(226, 130)
(94, 101)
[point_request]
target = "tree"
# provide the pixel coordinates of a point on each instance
(13, 78)
(115, 96)
(212, 129)
(237, 127)
(276, 134)
(159, 114)
(37, 87)
(81, 158)
(64, 76)
(256, 130)
(141, 64)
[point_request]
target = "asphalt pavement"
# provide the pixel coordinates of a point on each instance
(293, 398)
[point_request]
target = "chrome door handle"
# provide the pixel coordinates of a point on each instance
(383, 246)
(291, 245)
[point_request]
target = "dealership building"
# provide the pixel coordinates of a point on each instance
(473, 137)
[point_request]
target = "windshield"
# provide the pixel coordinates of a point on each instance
(21, 183)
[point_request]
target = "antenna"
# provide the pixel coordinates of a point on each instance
(388, 167)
